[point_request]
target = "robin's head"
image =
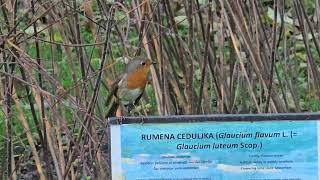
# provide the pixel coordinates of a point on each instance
(137, 72)
(139, 63)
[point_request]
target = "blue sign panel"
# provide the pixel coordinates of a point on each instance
(273, 150)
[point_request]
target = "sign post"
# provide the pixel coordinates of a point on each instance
(256, 147)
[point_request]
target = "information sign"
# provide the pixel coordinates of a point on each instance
(251, 147)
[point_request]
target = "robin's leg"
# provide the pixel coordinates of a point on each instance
(137, 112)
(141, 115)
(142, 120)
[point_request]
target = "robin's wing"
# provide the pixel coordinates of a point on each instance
(112, 101)
(114, 89)
(138, 98)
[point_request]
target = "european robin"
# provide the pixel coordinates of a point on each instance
(129, 87)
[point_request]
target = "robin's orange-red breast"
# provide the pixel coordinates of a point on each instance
(130, 86)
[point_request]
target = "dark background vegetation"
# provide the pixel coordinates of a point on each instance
(58, 59)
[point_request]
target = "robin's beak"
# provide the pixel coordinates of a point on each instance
(153, 62)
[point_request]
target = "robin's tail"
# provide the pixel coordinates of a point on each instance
(112, 101)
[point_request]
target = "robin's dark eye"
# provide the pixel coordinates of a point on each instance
(143, 63)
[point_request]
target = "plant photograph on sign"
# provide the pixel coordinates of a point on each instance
(68, 67)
